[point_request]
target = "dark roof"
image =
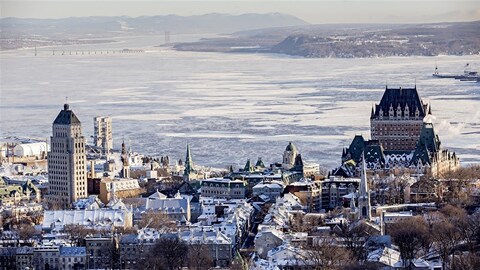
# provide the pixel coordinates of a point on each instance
(403, 97)
(260, 163)
(66, 117)
(356, 149)
(291, 147)
(427, 144)
(374, 152)
(298, 165)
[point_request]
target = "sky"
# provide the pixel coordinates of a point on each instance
(312, 11)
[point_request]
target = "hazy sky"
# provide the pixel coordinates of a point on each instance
(320, 11)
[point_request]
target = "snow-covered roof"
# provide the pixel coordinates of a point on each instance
(30, 149)
(168, 205)
(96, 217)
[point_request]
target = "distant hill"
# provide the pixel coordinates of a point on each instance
(352, 40)
(109, 26)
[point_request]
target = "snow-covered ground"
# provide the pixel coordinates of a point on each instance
(229, 107)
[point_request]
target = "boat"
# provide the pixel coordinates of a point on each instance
(443, 76)
(467, 75)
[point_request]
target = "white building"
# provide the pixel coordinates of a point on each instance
(67, 172)
(102, 133)
(177, 208)
(96, 218)
(38, 149)
(271, 190)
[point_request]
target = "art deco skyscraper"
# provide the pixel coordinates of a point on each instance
(67, 161)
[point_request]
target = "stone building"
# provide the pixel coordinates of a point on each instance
(309, 192)
(8, 257)
(72, 258)
(402, 139)
(223, 188)
(118, 188)
(67, 173)
(334, 190)
(24, 257)
(396, 122)
(99, 250)
(46, 257)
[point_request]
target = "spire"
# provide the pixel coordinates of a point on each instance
(363, 181)
(365, 209)
(188, 162)
(124, 151)
(430, 110)
(188, 157)
(372, 114)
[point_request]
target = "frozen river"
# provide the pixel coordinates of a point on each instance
(229, 107)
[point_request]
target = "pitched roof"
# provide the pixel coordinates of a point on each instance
(427, 144)
(66, 117)
(403, 97)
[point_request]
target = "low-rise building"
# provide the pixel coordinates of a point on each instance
(120, 188)
(177, 208)
(223, 188)
(98, 251)
(335, 189)
(218, 244)
(266, 239)
(8, 257)
(271, 190)
(46, 257)
(309, 192)
(24, 257)
(96, 218)
(72, 258)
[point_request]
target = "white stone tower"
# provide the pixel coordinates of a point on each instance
(289, 156)
(67, 172)
(125, 172)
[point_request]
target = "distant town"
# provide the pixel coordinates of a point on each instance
(398, 199)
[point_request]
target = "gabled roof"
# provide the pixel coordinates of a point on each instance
(66, 117)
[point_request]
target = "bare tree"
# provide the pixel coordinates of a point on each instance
(199, 258)
(410, 236)
(468, 261)
(157, 220)
(77, 233)
(325, 254)
(26, 231)
(354, 237)
(169, 253)
(446, 237)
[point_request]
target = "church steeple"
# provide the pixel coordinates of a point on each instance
(125, 172)
(188, 165)
(364, 206)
